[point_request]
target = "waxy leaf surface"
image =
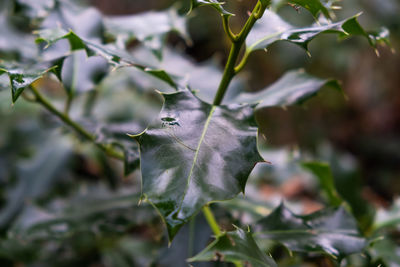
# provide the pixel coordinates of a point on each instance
(238, 246)
(327, 231)
(195, 153)
(293, 88)
(272, 28)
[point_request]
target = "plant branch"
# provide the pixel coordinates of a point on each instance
(229, 71)
(108, 149)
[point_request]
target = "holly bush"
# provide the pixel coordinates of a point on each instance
(121, 150)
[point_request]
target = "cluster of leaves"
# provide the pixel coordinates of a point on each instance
(194, 152)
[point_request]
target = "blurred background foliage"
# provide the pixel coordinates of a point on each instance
(64, 203)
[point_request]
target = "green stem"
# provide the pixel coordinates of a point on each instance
(109, 150)
(229, 73)
(211, 220)
(237, 43)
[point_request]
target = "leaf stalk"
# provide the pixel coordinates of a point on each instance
(211, 220)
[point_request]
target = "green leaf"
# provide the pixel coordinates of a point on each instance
(116, 58)
(388, 218)
(116, 134)
(35, 9)
(150, 28)
(237, 246)
(323, 172)
(202, 77)
(35, 177)
(81, 74)
(21, 78)
(255, 209)
(327, 231)
(271, 28)
(15, 43)
(314, 6)
(190, 240)
(195, 153)
(385, 252)
(213, 3)
(293, 88)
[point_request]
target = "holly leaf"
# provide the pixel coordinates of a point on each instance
(35, 9)
(237, 246)
(294, 87)
(150, 28)
(272, 28)
(116, 58)
(81, 74)
(14, 43)
(213, 3)
(116, 134)
(315, 7)
(22, 77)
(195, 153)
(388, 218)
(330, 231)
(323, 172)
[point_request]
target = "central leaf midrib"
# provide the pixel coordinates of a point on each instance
(203, 134)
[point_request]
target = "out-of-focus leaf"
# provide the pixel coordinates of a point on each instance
(272, 28)
(213, 3)
(15, 43)
(314, 6)
(388, 218)
(35, 177)
(202, 78)
(190, 240)
(116, 58)
(329, 231)
(37, 8)
(97, 208)
(323, 172)
(194, 153)
(349, 185)
(150, 28)
(293, 88)
(117, 134)
(385, 252)
(255, 209)
(80, 74)
(22, 77)
(238, 246)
